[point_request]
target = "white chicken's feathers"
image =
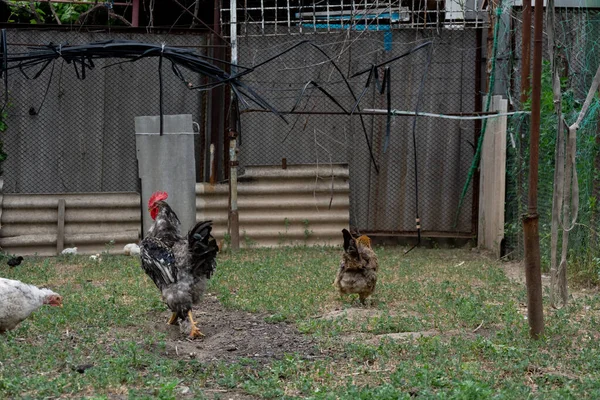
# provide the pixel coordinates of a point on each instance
(18, 300)
(70, 250)
(131, 249)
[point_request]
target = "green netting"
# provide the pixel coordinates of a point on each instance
(578, 35)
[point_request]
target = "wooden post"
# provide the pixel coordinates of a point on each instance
(60, 230)
(490, 231)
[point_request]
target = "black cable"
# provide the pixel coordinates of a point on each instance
(82, 56)
(160, 92)
(414, 135)
(46, 92)
(4, 71)
(387, 78)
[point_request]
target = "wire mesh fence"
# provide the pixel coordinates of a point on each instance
(388, 188)
(71, 135)
(73, 130)
(577, 33)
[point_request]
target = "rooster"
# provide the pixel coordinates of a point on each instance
(19, 300)
(358, 268)
(179, 266)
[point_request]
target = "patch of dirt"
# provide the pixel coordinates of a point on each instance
(224, 394)
(231, 334)
(364, 314)
(515, 271)
(353, 314)
(184, 393)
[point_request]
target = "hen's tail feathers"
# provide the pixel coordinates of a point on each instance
(203, 248)
(349, 244)
(364, 240)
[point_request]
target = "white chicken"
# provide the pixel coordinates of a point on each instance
(131, 249)
(18, 300)
(69, 251)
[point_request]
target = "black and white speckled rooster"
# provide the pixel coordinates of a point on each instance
(179, 266)
(19, 300)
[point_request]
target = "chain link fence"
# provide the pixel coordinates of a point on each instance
(577, 32)
(442, 78)
(67, 134)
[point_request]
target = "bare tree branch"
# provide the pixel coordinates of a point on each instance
(27, 9)
(199, 20)
(121, 18)
(54, 13)
(37, 17)
(111, 14)
(196, 10)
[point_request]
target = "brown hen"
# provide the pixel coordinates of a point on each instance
(358, 268)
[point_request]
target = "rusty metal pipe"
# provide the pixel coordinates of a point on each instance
(135, 13)
(234, 218)
(212, 165)
(526, 52)
(533, 274)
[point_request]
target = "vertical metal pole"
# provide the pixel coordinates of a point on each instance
(533, 274)
(526, 52)
(135, 13)
(212, 166)
(60, 230)
(217, 95)
(234, 222)
(477, 130)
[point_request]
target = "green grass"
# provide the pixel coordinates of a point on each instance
(444, 293)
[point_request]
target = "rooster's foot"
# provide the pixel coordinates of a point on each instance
(195, 332)
(173, 319)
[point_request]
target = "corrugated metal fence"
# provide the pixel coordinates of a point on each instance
(303, 204)
(300, 205)
(92, 222)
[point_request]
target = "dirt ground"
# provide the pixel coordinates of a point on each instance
(230, 335)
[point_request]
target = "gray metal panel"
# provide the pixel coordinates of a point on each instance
(92, 221)
(384, 201)
(300, 205)
(167, 163)
(83, 138)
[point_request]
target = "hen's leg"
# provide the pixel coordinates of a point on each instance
(195, 332)
(173, 319)
(362, 297)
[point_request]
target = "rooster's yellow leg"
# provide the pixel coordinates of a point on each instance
(195, 332)
(173, 319)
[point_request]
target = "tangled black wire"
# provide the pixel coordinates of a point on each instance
(33, 63)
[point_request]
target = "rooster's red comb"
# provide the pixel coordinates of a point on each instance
(157, 196)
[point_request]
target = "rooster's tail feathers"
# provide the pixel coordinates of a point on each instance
(203, 248)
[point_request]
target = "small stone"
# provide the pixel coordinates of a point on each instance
(231, 348)
(184, 390)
